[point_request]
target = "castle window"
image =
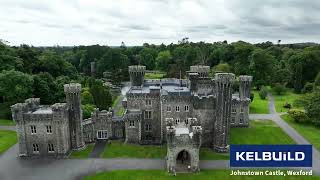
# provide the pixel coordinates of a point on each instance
(186, 108)
(241, 109)
(148, 115)
(148, 127)
(168, 108)
(233, 120)
(177, 108)
(233, 109)
(49, 129)
(33, 129)
(50, 148)
(241, 121)
(35, 148)
(131, 123)
(148, 102)
(186, 121)
(177, 121)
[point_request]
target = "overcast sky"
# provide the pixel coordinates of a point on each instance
(109, 22)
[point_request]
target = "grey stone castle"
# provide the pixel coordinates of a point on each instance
(183, 113)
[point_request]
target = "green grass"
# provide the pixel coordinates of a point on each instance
(158, 75)
(115, 101)
(260, 132)
(118, 149)
(307, 130)
(208, 154)
(203, 174)
(7, 122)
(121, 111)
(289, 96)
(7, 139)
(258, 105)
(83, 153)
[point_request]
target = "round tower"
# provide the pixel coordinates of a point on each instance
(73, 93)
(137, 75)
(245, 86)
(223, 111)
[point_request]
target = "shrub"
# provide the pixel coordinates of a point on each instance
(317, 80)
(263, 92)
(298, 116)
(308, 87)
(287, 105)
(313, 108)
(279, 88)
(251, 96)
(87, 109)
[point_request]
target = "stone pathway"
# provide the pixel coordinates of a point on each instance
(12, 128)
(98, 148)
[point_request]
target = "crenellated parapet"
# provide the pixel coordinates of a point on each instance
(72, 88)
(203, 71)
(245, 86)
(137, 75)
(224, 78)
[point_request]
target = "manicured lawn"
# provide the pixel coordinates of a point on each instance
(158, 75)
(7, 122)
(307, 130)
(7, 139)
(83, 153)
(289, 97)
(260, 132)
(203, 174)
(258, 105)
(208, 154)
(117, 149)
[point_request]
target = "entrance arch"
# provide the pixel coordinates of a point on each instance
(183, 161)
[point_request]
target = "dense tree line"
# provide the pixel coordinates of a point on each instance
(28, 71)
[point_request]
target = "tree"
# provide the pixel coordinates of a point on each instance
(223, 67)
(313, 106)
(242, 51)
(101, 95)
(279, 88)
(147, 57)
(87, 109)
(44, 88)
(263, 92)
(86, 96)
(163, 60)
(317, 80)
(15, 86)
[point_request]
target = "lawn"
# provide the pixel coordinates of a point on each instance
(117, 149)
(203, 174)
(208, 154)
(83, 153)
(307, 130)
(121, 111)
(260, 132)
(116, 101)
(258, 105)
(157, 75)
(289, 96)
(7, 139)
(7, 122)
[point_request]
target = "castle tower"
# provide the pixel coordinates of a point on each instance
(203, 71)
(137, 75)
(73, 93)
(223, 107)
(245, 86)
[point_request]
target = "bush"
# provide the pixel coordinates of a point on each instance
(251, 96)
(308, 87)
(87, 110)
(298, 116)
(313, 108)
(279, 88)
(263, 92)
(287, 105)
(317, 80)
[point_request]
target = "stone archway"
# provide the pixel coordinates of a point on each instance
(183, 161)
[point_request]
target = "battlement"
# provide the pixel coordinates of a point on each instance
(72, 88)
(203, 71)
(224, 78)
(59, 106)
(19, 107)
(245, 78)
(137, 68)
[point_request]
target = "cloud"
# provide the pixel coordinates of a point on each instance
(83, 22)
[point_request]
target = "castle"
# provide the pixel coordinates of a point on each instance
(183, 113)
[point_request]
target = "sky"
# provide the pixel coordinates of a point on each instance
(109, 22)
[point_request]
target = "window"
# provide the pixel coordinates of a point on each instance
(168, 108)
(233, 109)
(241, 109)
(49, 129)
(50, 148)
(33, 130)
(148, 127)
(241, 121)
(148, 115)
(177, 121)
(186, 108)
(177, 108)
(131, 123)
(148, 102)
(233, 120)
(102, 134)
(186, 121)
(35, 148)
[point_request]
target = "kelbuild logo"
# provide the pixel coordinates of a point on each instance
(271, 155)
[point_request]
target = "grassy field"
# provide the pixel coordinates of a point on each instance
(260, 132)
(158, 75)
(118, 149)
(258, 105)
(7, 122)
(203, 174)
(7, 139)
(208, 154)
(308, 131)
(289, 97)
(83, 153)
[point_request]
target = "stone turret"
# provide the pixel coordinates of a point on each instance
(137, 75)
(203, 71)
(245, 86)
(73, 93)
(223, 111)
